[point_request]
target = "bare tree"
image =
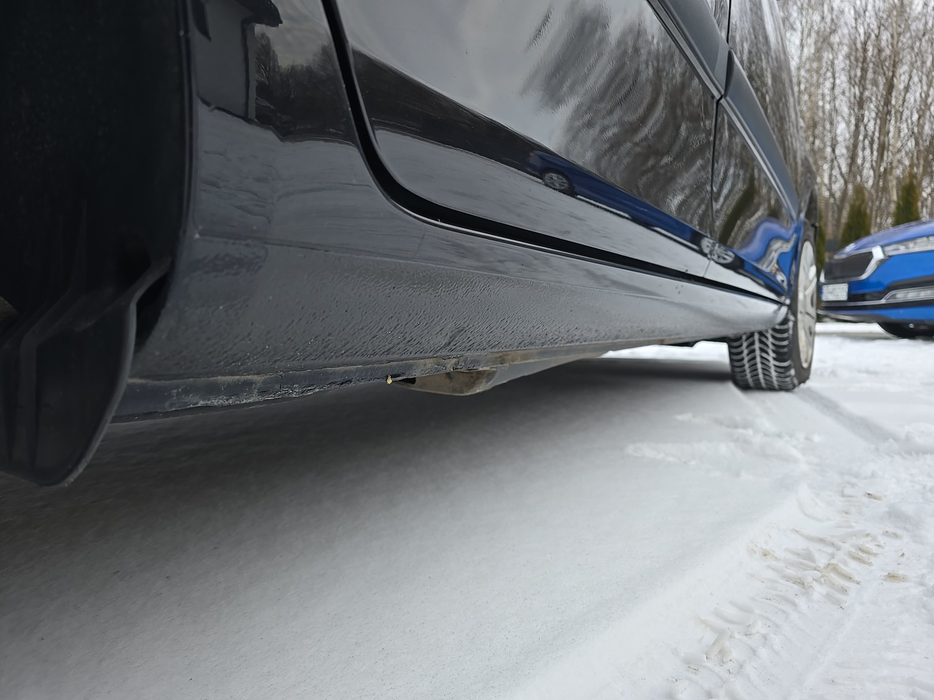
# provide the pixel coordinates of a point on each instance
(864, 76)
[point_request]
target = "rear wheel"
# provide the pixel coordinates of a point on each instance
(780, 358)
(908, 330)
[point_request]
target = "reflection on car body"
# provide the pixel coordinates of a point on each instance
(560, 174)
(770, 249)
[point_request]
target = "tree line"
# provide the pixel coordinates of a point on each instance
(864, 77)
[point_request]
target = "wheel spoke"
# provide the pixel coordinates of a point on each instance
(807, 304)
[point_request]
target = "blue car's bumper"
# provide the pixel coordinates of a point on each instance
(896, 289)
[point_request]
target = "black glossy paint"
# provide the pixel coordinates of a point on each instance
(749, 215)
(762, 182)
(92, 185)
(757, 39)
(721, 14)
(699, 30)
(459, 94)
(308, 260)
(296, 261)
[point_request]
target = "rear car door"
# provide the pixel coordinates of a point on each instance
(579, 120)
(757, 152)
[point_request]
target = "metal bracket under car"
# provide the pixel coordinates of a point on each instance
(475, 381)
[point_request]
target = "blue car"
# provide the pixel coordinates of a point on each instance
(886, 278)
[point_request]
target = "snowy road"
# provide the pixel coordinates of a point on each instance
(629, 527)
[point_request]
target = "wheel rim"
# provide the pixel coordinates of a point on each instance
(722, 255)
(807, 304)
(556, 181)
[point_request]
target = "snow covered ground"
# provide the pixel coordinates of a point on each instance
(628, 527)
(838, 600)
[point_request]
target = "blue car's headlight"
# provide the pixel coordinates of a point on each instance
(915, 245)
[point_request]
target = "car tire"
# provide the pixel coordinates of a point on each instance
(780, 358)
(558, 181)
(908, 330)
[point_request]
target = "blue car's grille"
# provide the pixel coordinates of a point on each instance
(847, 268)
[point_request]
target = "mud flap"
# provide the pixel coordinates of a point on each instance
(62, 372)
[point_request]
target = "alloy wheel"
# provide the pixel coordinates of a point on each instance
(806, 318)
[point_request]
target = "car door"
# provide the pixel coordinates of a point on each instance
(757, 151)
(579, 120)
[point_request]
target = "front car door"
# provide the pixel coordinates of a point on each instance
(579, 120)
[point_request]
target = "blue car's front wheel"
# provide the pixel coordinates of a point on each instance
(780, 358)
(558, 181)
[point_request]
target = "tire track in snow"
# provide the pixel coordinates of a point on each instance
(819, 578)
(856, 424)
(816, 642)
(865, 664)
(765, 641)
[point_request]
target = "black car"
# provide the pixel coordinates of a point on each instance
(210, 204)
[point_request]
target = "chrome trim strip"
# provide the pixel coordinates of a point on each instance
(927, 291)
